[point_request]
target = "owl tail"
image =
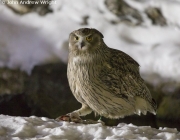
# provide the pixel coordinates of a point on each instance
(154, 106)
(142, 106)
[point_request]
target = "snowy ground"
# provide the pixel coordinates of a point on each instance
(31, 39)
(35, 128)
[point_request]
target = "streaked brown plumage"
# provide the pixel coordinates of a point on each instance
(105, 80)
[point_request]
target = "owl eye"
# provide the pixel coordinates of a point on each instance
(89, 38)
(76, 38)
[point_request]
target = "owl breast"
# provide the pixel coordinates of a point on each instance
(82, 76)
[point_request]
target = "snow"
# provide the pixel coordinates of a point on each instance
(29, 40)
(41, 128)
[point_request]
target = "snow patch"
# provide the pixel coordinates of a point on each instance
(41, 128)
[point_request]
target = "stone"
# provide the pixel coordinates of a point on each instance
(12, 81)
(156, 16)
(48, 90)
(124, 11)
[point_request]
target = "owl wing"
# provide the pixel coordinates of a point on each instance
(121, 76)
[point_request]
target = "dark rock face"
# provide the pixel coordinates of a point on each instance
(12, 81)
(14, 105)
(167, 95)
(44, 93)
(48, 90)
(169, 108)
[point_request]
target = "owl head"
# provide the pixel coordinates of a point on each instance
(85, 39)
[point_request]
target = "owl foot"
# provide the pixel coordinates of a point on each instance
(71, 117)
(74, 117)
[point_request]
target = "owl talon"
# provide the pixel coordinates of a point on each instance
(63, 118)
(71, 117)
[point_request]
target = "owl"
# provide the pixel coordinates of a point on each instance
(104, 80)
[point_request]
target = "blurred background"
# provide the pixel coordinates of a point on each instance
(34, 51)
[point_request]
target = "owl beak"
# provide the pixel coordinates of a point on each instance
(81, 45)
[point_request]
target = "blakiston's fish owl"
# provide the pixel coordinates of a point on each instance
(104, 80)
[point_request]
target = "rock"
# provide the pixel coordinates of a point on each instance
(14, 105)
(12, 81)
(43, 93)
(131, 15)
(124, 11)
(85, 20)
(48, 90)
(167, 95)
(156, 16)
(169, 109)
